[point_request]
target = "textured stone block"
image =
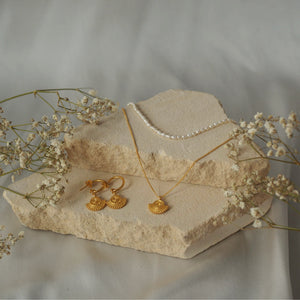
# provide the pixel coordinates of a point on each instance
(108, 147)
(193, 223)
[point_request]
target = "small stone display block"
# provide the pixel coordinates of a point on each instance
(108, 147)
(192, 224)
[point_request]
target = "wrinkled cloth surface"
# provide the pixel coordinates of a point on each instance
(246, 53)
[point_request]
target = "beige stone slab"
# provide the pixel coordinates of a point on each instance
(108, 146)
(184, 231)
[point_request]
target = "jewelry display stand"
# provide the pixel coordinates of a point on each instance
(193, 223)
(198, 209)
(108, 147)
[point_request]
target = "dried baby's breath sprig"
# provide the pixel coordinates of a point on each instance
(278, 187)
(272, 133)
(90, 109)
(6, 241)
(38, 146)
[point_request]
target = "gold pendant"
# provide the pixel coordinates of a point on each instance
(158, 207)
(116, 202)
(96, 204)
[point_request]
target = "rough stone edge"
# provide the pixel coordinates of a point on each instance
(123, 233)
(218, 234)
(224, 178)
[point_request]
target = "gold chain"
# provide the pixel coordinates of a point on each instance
(159, 206)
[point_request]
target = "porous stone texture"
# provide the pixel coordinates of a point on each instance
(193, 223)
(108, 147)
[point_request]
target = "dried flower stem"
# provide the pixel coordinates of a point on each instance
(267, 130)
(49, 151)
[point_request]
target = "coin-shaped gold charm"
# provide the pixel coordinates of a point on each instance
(158, 207)
(116, 202)
(96, 204)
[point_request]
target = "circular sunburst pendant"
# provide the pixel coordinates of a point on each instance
(158, 207)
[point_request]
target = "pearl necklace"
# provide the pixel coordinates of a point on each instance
(176, 137)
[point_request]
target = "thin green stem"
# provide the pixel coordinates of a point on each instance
(12, 171)
(17, 96)
(47, 102)
(256, 150)
(16, 133)
(270, 158)
(10, 190)
(66, 108)
(283, 143)
(20, 125)
(288, 148)
(284, 227)
(261, 137)
(27, 130)
(80, 90)
(290, 205)
(267, 219)
(35, 151)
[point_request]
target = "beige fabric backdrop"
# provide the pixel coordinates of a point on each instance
(244, 52)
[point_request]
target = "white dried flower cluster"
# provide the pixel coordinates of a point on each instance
(268, 125)
(282, 188)
(6, 241)
(14, 151)
(242, 197)
(55, 157)
(4, 125)
(290, 124)
(279, 187)
(233, 153)
(40, 145)
(268, 130)
(50, 191)
(91, 110)
(49, 151)
(257, 223)
(49, 128)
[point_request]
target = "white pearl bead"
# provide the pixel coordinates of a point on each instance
(174, 137)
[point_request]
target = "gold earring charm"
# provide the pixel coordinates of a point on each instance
(96, 203)
(116, 201)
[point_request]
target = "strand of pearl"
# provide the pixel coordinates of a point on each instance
(176, 137)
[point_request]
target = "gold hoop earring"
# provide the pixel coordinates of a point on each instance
(88, 183)
(96, 203)
(116, 201)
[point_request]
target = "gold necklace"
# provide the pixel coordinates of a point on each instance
(159, 206)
